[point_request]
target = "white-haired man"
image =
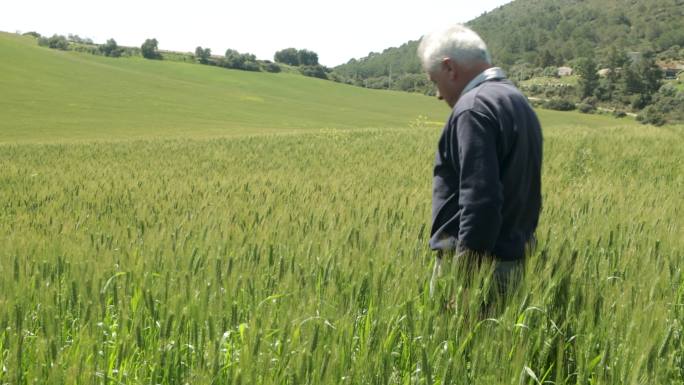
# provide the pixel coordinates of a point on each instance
(486, 195)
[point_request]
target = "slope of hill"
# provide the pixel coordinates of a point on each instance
(552, 32)
(397, 61)
(49, 95)
(524, 29)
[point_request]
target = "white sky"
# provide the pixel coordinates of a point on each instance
(337, 31)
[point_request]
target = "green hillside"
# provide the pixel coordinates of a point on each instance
(546, 33)
(48, 95)
(526, 30)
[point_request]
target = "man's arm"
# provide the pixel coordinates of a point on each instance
(480, 189)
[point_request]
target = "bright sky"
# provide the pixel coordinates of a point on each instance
(337, 31)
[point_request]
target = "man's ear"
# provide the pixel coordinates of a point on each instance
(451, 67)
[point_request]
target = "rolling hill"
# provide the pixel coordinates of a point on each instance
(48, 95)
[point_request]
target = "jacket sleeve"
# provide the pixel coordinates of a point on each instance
(480, 189)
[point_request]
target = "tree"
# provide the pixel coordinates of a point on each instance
(32, 33)
(588, 81)
(110, 48)
(546, 59)
(650, 74)
(288, 56)
(233, 59)
(203, 55)
(149, 49)
(631, 81)
(241, 61)
(616, 63)
(307, 58)
(617, 59)
(295, 57)
(75, 39)
(642, 79)
(54, 42)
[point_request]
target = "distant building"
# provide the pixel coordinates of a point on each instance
(670, 73)
(671, 70)
(603, 72)
(564, 71)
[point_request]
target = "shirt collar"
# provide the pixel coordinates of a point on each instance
(494, 73)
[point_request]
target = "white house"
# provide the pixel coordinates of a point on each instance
(564, 71)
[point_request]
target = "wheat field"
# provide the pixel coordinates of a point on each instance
(301, 258)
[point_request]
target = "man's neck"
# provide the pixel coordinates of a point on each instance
(472, 72)
(488, 73)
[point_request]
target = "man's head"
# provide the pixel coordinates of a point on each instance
(452, 57)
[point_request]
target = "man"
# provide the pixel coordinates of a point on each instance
(487, 174)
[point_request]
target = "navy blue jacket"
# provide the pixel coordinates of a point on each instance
(487, 176)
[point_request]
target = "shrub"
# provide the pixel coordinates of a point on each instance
(54, 42)
(640, 101)
(559, 104)
(535, 89)
(250, 66)
(550, 72)
(316, 71)
(586, 108)
(592, 101)
(270, 67)
(239, 61)
(86, 49)
(651, 115)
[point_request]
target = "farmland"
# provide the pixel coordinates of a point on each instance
(170, 245)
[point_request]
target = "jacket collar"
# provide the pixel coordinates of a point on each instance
(494, 73)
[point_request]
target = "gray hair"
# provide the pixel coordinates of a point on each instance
(458, 43)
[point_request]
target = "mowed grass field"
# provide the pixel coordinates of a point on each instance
(231, 254)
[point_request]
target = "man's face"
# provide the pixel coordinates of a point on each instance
(445, 79)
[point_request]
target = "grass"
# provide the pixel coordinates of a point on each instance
(297, 256)
(50, 95)
(677, 83)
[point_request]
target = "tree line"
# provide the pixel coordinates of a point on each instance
(305, 61)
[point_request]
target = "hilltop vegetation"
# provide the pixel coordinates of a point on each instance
(395, 68)
(303, 61)
(553, 32)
